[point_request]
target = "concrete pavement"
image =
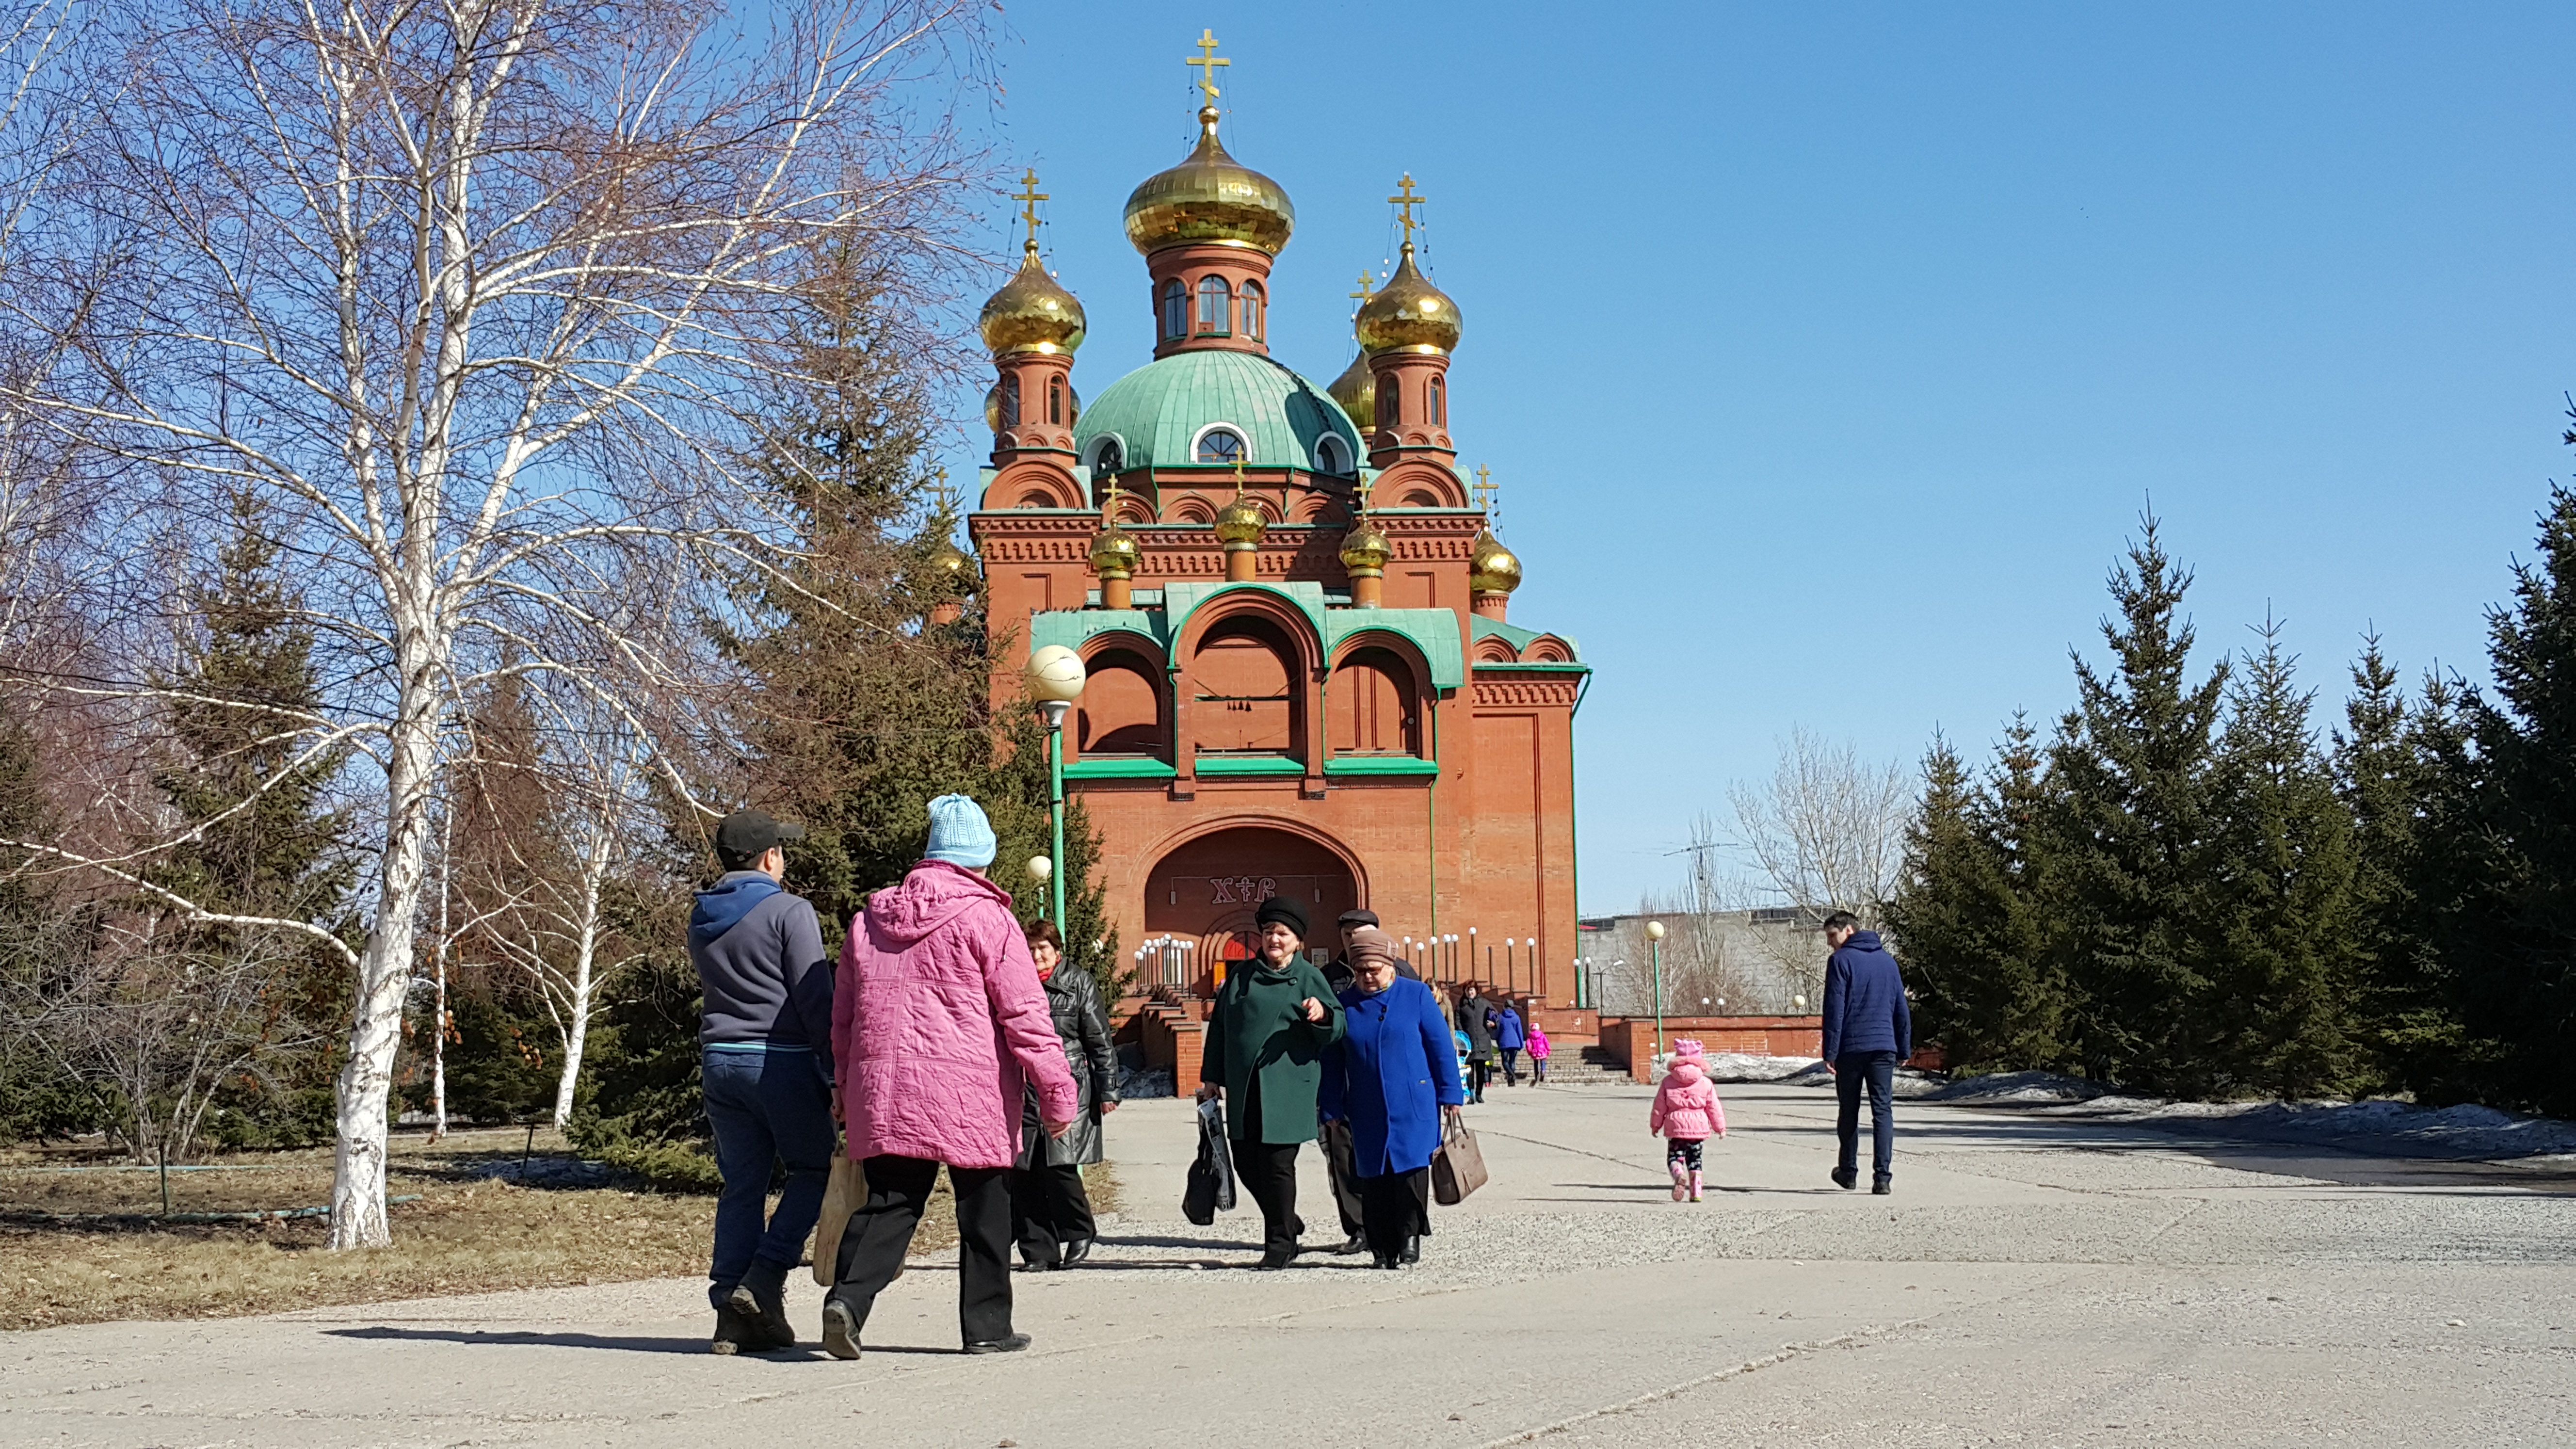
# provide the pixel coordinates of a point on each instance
(2033, 1282)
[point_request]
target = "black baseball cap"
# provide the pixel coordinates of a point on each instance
(747, 834)
(1358, 918)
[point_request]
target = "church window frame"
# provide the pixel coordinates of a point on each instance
(1216, 306)
(1108, 455)
(1251, 300)
(1203, 444)
(1331, 456)
(1055, 401)
(1390, 404)
(1176, 310)
(1010, 399)
(1439, 402)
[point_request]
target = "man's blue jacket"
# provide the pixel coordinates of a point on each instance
(1865, 1007)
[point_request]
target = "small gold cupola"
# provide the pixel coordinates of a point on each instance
(1493, 571)
(1114, 556)
(1356, 388)
(1032, 312)
(1408, 314)
(1240, 526)
(1365, 551)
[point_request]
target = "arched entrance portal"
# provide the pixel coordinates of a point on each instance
(1205, 892)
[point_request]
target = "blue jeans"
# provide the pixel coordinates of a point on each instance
(765, 1107)
(1876, 1070)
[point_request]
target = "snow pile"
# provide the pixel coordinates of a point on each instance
(2016, 1087)
(1145, 1082)
(2462, 1131)
(1746, 1067)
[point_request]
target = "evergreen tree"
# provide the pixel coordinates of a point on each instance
(2132, 833)
(1971, 919)
(2284, 979)
(2386, 772)
(2502, 877)
(264, 841)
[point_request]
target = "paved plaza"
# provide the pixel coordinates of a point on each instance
(2035, 1281)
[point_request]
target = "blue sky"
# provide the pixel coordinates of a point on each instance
(1826, 355)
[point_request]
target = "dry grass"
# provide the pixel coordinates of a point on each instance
(464, 1235)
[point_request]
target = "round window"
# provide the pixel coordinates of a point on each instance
(1221, 445)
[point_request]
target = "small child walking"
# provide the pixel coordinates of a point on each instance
(1686, 1114)
(1537, 1051)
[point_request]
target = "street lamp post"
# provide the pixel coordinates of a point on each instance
(1655, 943)
(1055, 677)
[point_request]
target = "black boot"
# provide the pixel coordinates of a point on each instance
(1009, 1343)
(761, 1298)
(1846, 1178)
(1878, 1185)
(1356, 1243)
(840, 1329)
(1413, 1249)
(1076, 1251)
(735, 1330)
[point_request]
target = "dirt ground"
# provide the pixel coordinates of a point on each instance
(465, 1233)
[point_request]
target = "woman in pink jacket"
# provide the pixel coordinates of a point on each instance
(1687, 1114)
(936, 1014)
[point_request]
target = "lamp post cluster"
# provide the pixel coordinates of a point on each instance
(1165, 960)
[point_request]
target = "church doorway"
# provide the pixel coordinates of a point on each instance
(1202, 897)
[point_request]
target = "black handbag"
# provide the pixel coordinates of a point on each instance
(1210, 1188)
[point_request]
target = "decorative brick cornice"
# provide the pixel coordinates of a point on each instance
(1524, 693)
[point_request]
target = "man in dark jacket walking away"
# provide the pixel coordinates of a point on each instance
(1476, 1019)
(1868, 1030)
(764, 1036)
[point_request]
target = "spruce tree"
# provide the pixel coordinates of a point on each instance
(263, 841)
(2386, 763)
(2279, 1015)
(2132, 834)
(2503, 873)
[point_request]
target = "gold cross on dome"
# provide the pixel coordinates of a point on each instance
(1368, 288)
(1238, 475)
(1485, 489)
(1109, 505)
(1030, 196)
(1405, 200)
(1207, 60)
(1366, 487)
(940, 488)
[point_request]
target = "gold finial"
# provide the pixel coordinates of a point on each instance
(1485, 489)
(1207, 60)
(1030, 196)
(1366, 487)
(1238, 476)
(1109, 504)
(1368, 287)
(1405, 201)
(939, 489)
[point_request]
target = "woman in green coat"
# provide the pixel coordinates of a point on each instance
(1265, 1047)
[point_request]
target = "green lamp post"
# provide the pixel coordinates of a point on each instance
(1055, 679)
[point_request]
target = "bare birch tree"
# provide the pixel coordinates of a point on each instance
(482, 297)
(1826, 833)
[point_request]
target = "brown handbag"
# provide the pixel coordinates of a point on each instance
(1458, 1168)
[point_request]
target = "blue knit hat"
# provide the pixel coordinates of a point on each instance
(959, 833)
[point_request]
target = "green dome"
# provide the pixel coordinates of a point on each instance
(1158, 411)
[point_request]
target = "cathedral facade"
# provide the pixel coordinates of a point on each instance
(1303, 676)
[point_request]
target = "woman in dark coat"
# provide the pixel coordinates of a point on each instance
(1051, 1214)
(1265, 1047)
(1389, 1079)
(1473, 1013)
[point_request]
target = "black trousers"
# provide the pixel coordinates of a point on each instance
(1479, 1072)
(1398, 1206)
(1344, 1175)
(1876, 1071)
(873, 1245)
(1049, 1211)
(1268, 1170)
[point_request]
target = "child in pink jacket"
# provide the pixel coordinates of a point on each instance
(1686, 1113)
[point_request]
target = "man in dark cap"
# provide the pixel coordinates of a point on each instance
(765, 1035)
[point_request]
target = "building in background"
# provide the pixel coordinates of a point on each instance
(1303, 675)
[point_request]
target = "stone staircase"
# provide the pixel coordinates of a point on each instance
(1595, 1067)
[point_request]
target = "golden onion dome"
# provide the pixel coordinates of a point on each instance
(1365, 548)
(1408, 314)
(1241, 522)
(953, 565)
(1356, 391)
(1032, 313)
(1491, 568)
(1114, 550)
(1210, 197)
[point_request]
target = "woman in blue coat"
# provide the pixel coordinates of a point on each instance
(1389, 1078)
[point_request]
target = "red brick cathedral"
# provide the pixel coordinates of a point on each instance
(1303, 678)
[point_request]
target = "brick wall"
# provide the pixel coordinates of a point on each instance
(1631, 1040)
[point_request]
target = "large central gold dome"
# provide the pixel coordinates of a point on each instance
(1209, 198)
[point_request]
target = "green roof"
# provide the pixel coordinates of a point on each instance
(1158, 411)
(1433, 631)
(1479, 627)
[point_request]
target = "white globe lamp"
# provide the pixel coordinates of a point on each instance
(1040, 868)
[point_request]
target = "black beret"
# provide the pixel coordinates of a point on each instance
(1286, 910)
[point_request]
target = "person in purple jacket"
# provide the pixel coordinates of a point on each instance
(1868, 1030)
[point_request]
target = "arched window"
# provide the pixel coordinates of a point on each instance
(1372, 704)
(1055, 401)
(1246, 700)
(1330, 457)
(1439, 403)
(1222, 446)
(1389, 411)
(1176, 309)
(1122, 706)
(1252, 300)
(1106, 459)
(1215, 300)
(1010, 400)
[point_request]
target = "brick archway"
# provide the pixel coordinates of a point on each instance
(1206, 890)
